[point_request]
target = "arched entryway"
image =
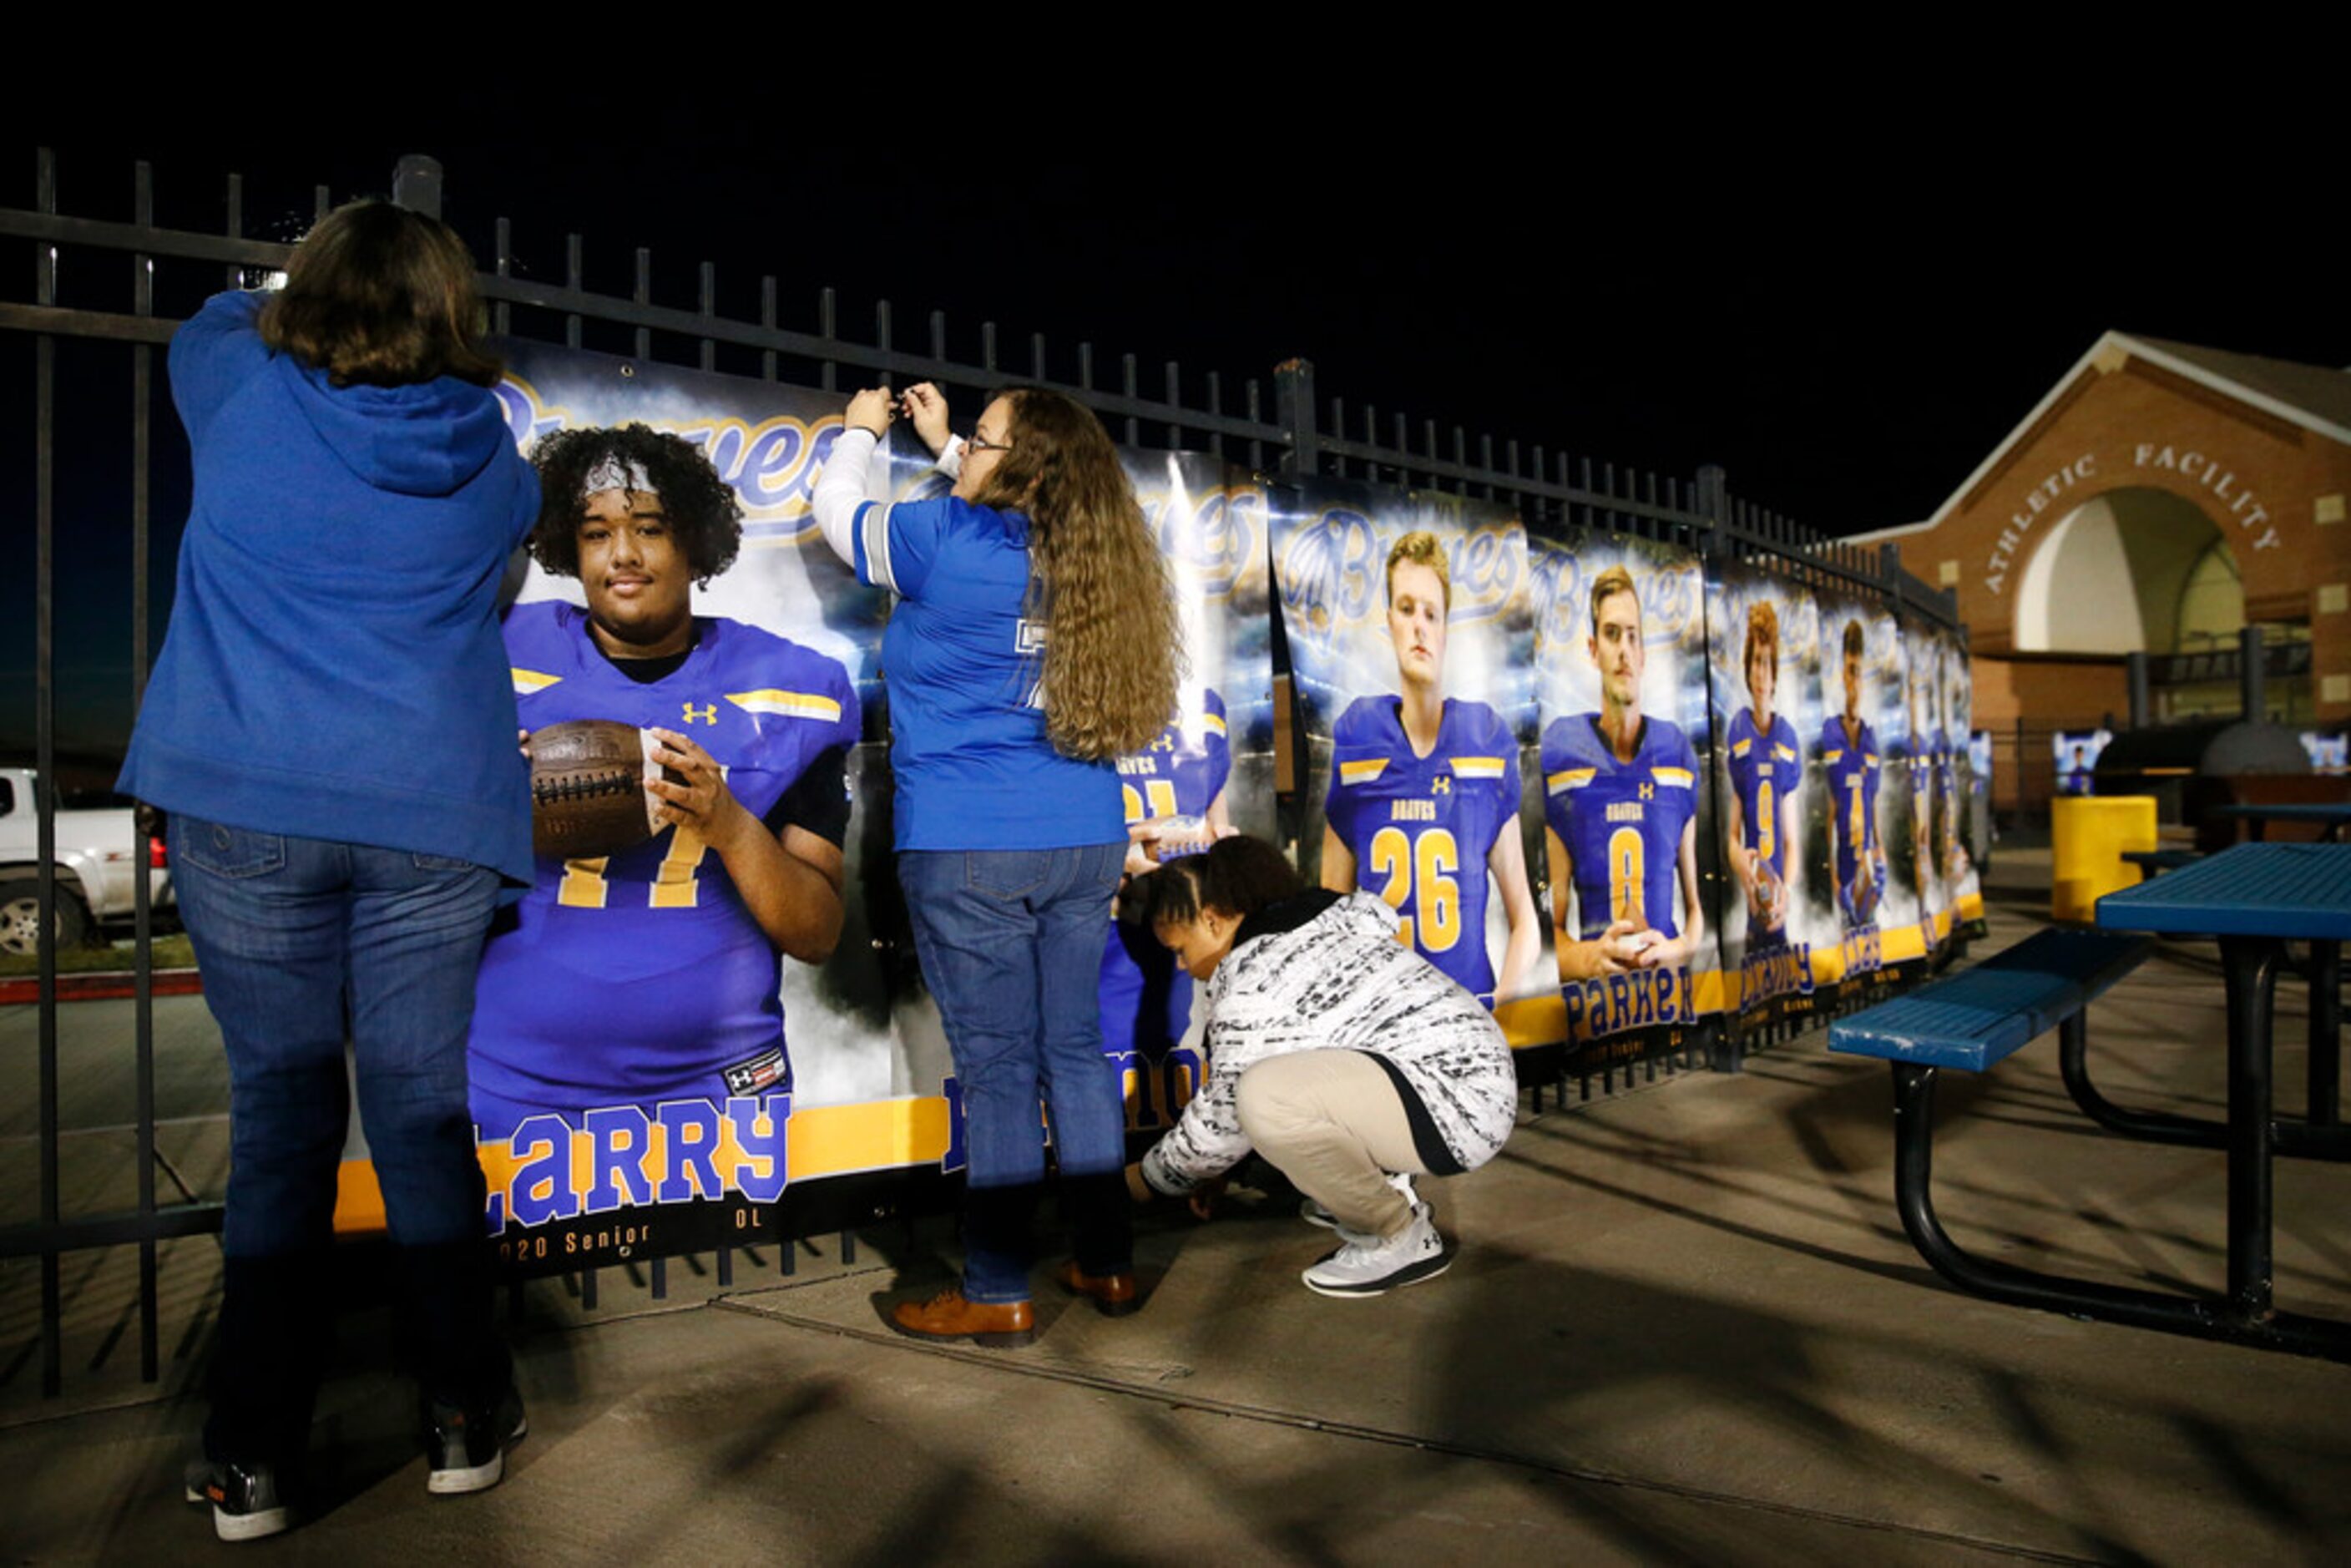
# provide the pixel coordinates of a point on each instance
(2129, 570)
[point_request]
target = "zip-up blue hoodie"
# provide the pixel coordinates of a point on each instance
(333, 668)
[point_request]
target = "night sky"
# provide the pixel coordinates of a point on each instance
(1846, 314)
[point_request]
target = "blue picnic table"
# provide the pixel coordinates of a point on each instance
(2254, 898)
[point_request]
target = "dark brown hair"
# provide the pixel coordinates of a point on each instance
(1115, 650)
(1237, 876)
(1853, 644)
(380, 296)
(701, 508)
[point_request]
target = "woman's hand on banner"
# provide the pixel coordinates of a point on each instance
(872, 410)
(925, 408)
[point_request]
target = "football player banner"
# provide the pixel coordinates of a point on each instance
(1925, 751)
(2075, 755)
(1958, 781)
(1209, 773)
(861, 1079)
(1866, 798)
(1409, 635)
(1627, 810)
(1773, 900)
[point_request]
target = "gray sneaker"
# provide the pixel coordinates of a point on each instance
(245, 1501)
(1368, 1266)
(1314, 1213)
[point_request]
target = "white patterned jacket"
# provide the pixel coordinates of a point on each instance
(1341, 981)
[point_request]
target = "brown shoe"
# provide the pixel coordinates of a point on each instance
(999, 1325)
(1113, 1294)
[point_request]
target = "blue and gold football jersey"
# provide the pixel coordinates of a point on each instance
(1146, 997)
(1921, 766)
(1765, 769)
(1420, 828)
(1947, 805)
(1622, 822)
(1852, 763)
(641, 976)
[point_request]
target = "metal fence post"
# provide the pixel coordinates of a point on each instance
(1726, 1050)
(2250, 672)
(417, 184)
(1293, 410)
(1714, 493)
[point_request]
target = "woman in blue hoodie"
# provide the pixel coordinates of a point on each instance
(332, 729)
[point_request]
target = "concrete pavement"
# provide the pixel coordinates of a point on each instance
(1683, 1325)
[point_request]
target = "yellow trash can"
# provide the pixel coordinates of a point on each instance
(2088, 835)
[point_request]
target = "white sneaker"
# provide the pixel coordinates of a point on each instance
(1367, 1265)
(1314, 1213)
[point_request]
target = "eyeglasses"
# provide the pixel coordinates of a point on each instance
(978, 443)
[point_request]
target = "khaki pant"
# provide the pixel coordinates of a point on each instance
(1333, 1123)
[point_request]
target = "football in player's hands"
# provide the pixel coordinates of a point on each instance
(1864, 894)
(587, 794)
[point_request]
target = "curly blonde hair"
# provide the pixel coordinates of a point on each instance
(1116, 652)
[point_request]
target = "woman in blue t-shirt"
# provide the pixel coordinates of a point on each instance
(1010, 829)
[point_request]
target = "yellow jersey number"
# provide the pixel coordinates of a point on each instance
(676, 883)
(1161, 800)
(1421, 884)
(674, 886)
(1628, 870)
(1767, 837)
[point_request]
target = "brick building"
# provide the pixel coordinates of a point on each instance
(2158, 499)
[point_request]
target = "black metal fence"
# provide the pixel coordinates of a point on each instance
(97, 281)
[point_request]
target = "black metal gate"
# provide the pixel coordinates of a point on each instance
(94, 287)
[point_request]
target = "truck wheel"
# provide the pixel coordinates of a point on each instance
(20, 917)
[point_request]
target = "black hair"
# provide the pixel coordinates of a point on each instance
(1237, 876)
(703, 513)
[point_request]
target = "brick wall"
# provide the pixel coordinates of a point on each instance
(2123, 423)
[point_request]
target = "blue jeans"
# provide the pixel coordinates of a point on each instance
(1011, 944)
(303, 943)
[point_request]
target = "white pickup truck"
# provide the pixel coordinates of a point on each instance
(98, 850)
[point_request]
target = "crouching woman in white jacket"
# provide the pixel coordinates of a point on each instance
(1342, 1056)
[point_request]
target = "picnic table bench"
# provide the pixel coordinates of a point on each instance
(2154, 861)
(1970, 1022)
(1975, 1020)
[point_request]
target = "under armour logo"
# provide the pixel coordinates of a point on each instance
(1648, 792)
(709, 712)
(1441, 785)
